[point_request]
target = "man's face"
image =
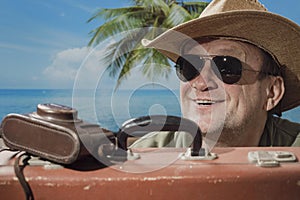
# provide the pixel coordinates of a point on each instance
(235, 110)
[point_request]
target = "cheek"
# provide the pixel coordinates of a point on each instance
(237, 101)
(184, 88)
(245, 99)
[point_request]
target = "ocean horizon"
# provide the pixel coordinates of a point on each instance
(107, 108)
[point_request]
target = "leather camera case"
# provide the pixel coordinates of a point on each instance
(54, 133)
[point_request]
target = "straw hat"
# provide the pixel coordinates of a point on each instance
(245, 20)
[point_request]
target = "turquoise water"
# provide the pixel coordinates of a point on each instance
(109, 109)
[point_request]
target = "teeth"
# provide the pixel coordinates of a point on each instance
(205, 102)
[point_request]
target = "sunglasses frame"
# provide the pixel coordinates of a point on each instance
(195, 68)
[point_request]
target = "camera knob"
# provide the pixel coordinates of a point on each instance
(57, 112)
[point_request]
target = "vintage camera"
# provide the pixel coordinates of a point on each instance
(54, 132)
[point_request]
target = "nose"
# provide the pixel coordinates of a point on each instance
(206, 80)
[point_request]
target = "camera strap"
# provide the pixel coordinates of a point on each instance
(24, 158)
(21, 156)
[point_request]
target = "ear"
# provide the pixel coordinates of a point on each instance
(275, 92)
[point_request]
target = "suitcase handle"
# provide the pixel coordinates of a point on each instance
(150, 123)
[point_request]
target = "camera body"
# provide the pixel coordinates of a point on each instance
(54, 132)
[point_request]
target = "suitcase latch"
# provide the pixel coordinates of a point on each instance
(270, 158)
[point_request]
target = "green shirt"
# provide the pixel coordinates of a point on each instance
(277, 132)
(280, 132)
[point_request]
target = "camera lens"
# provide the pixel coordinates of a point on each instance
(56, 112)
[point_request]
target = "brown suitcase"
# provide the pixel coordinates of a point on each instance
(160, 174)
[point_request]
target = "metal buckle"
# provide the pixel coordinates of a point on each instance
(270, 158)
(204, 154)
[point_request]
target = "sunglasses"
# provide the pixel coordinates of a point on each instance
(227, 68)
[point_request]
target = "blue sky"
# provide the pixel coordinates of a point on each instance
(43, 42)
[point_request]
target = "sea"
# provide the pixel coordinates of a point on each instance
(109, 109)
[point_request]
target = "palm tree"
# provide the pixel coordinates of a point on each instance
(135, 23)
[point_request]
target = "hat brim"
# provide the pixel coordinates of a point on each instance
(273, 33)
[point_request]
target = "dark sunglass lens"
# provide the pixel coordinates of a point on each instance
(230, 68)
(188, 67)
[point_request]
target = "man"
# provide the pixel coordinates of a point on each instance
(238, 65)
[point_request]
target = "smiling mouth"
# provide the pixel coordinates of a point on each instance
(206, 102)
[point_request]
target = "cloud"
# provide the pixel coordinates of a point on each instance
(80, 65)
(84, 68)
(65, 64)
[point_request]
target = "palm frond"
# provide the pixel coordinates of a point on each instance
(127, 26)
(108, 14)
(155, 5)
(117, 25)
(177, 16)
(153, 64)
(120, 51)
(156, 65)
(195, 8)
